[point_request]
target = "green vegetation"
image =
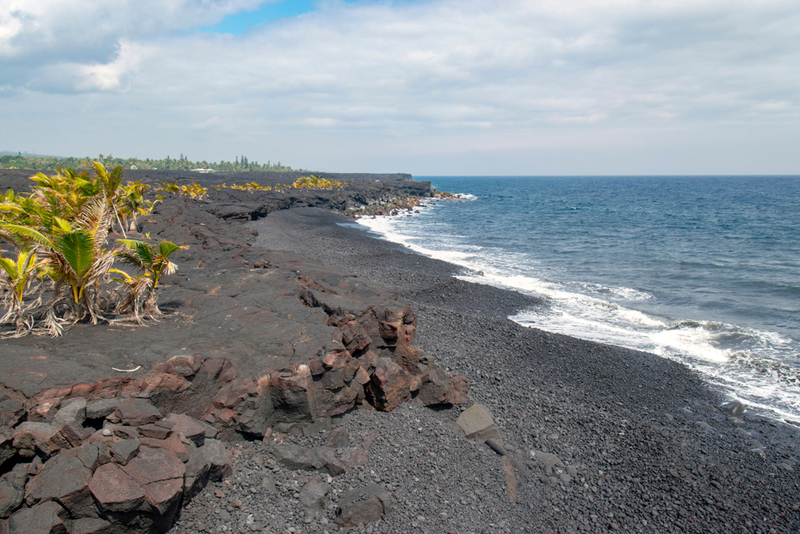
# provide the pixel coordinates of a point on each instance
(304, 182)
(59, 233)
(63, 269)
(51, 163)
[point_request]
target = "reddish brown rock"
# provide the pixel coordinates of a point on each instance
(173, 443)
(165, 495)
(101, 408)
(125, 450)
(12, 409)
(12, 492)
(65, 481)
(154, 431)
(36, 436)
(191, 428)
(354, 336)
(7, 450)
(160, 474)
(92, 525)
(436, 386)
(389, 386)
(197, 470)
(182, 365)
(115, 491)
(71, 411)
(390, 319)
(154, 465)
(327, 401)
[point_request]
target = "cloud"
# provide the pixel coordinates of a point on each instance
(416, 76)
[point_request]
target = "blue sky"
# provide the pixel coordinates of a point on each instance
(429, 87)
(243, 21)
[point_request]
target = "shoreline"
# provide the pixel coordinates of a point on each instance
(647, 435)
(597, 437)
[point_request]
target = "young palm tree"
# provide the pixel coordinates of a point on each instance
(137, 297)
(16, 278)
(60, 233)
(110, 184)
(154, 262)
(132, 203)
(74, 257)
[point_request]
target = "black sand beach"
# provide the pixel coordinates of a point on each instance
(601, 438)
(592, 437)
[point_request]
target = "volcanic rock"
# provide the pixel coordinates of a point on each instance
(363, 506)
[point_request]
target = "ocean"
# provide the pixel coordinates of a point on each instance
(700, 269)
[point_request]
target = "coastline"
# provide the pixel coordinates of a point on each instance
(599, 437)
(649, 447)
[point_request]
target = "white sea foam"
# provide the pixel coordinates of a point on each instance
(608, 315)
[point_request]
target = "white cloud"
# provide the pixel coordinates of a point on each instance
(69, 29)
(437, 76)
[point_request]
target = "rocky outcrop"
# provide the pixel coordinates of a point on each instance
(130, 474)
(91, 445)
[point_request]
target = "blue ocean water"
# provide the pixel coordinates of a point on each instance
(704, 270)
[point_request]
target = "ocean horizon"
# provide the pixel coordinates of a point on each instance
(704, 270)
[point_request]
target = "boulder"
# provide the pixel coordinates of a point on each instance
(363, 506)
(115, 491)
(314, 494)
(44, 518)
(92, 525)
(389, 385)
(101, 408)
(476, 423)
(154, 431)
(172, 443)
(7, 450)
(191, 428)
(137, 412)
(92, 455)
(218, 459)
(197, 470)
(71, 411)
(436, 387)
(11, 495)
(12, 410)
(125, 450)
(45, 438)
(65, 481)
(354, 336)
(160, 474)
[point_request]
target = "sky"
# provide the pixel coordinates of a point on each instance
(428, 87)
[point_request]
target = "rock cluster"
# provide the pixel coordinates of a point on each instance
(97, 456)
(106, 465)
(285, 342)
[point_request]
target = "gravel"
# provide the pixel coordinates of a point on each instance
(601, 438)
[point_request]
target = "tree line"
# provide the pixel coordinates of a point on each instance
(52, 163)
